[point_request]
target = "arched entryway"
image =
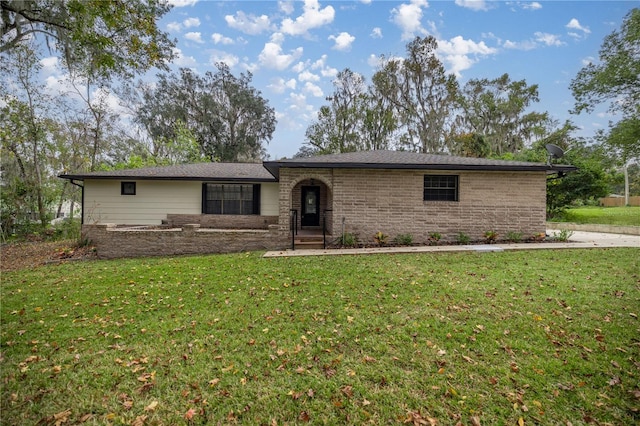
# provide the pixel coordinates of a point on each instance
(311, 202)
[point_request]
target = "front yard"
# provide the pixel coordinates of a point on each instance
(526, 337)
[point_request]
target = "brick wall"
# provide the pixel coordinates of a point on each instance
(113, 242)
(222, 221)
(391, 201)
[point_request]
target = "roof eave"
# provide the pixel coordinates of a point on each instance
(178, 178)
(273, 167)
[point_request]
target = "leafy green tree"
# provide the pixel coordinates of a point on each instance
(25, 135)
(356, 118)
(226, 115)
(421, 93)
(616, 78)
(497, 110)
(96, 37)
(468, 145)
(623, 139)
(337, 126)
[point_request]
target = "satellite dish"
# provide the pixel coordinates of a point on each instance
(554, 152)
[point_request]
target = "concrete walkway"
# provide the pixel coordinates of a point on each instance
(579, 239)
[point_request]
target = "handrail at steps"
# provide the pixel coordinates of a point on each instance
(324, 228)
(293, 226)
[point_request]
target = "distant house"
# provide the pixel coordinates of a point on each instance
(361, 193)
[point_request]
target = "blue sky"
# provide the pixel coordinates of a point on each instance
(295, 48)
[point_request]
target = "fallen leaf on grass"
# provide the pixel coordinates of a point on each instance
(304, 417)
(151, 406)
(415, 418)
(615, 381)
(61, 417)
(139, 421)
(189, 414)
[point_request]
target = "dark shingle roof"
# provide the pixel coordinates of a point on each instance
(269, 170)
(235, 172)
(409, 160)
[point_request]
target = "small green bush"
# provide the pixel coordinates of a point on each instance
(490, 236)
(563, 235)
(434, 238)
(380, 238)
(463, 238)
(403, 239)
(514, 237)
(348, 240)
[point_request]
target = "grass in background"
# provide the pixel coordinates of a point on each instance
(603, 215)
(527, 337)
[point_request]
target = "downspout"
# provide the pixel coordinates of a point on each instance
(81, 200)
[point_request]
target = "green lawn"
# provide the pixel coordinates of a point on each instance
(604, 215)
(518, 337)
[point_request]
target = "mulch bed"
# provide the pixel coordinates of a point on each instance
(23, 255)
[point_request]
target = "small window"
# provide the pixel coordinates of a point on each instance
(128, 188)
(441, 188)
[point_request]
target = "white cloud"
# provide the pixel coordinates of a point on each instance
(342, 41)
(574, 24)
(220, 39)
(174, 27)
(279, 85)
(588, 60)
(182, 3)
(300, 66)
(312, 17)
(365, 1)
(532, 6)
(473, 4)
(325, 71)
(313, 90)
(191, 22)
(219, 56)
(183, 61)
(307, 75)
(272, 56)
(519, 45)
(194, 36)
(286, 6)
(376, 33)
(461, 54)
(548, 39)
(373, 61)
(408, 17)
(248, 24)
(49, 65)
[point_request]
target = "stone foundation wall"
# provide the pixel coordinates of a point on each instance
(218, 221)
(114, 242)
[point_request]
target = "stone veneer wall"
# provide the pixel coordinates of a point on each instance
(391, 201)
(222, 221)
(113, 242)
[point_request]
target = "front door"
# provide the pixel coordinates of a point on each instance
(310, 206)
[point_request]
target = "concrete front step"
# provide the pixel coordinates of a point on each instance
(309, 243)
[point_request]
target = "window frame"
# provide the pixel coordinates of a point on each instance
(130, 185)
(245, 196)
(450, 192)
